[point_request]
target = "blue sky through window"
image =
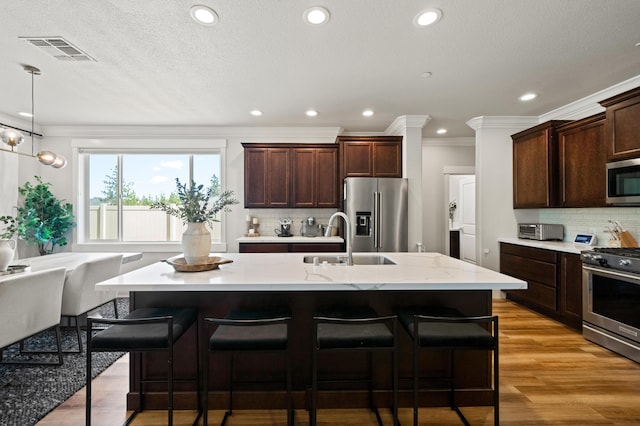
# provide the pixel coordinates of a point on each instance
(152, 174)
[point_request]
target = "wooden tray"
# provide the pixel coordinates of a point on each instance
(179, 263)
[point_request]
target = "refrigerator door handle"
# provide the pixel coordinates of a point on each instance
(378, 220)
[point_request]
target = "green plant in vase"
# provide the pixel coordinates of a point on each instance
(42, 220)
(198, 206)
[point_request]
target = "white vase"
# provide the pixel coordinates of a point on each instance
(196, 243)
(7, 247)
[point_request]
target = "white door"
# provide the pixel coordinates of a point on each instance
(468, 219)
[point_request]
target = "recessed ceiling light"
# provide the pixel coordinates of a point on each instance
(311, 113)
(256, 113)
(426, 74)
(528, 97)
(638, 44)
(427, 17)
(203, 15)
(316, 15)
(441, 131)
(367, 113)
(25, 114)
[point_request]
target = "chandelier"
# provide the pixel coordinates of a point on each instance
(13, 137)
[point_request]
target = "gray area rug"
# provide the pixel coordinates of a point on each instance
(29, 392)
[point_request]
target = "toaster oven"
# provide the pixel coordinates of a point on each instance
(540, 231)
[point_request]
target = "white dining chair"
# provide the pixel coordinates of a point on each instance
(80, 295)
(30, 303)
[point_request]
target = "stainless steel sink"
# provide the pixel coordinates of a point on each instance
(368, 259)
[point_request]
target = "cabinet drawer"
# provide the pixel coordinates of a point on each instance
(317, 247)
(529, 269)
(263, 248)
(529, 252)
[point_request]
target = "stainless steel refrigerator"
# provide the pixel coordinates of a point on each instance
(377, 210)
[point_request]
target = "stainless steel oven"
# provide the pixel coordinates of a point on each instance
(611, 301)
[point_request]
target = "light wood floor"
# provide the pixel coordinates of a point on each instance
(549, 375)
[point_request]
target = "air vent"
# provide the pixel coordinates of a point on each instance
(59, 48)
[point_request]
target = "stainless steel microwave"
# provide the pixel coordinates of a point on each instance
(623, 182)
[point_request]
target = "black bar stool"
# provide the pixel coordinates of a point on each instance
(447, 329)
(143, 330)
(354, 330)
(253, 331)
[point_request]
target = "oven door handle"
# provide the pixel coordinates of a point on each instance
(625, 276)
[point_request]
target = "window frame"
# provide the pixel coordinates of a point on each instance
(135, 146)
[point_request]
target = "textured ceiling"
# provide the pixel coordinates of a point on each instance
(155, 66)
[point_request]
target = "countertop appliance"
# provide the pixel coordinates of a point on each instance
(610, 299)
(623, 182)
(377, 210)
(540, 231)
(285, 227)
(310, 228)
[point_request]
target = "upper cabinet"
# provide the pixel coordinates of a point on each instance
(370, 156)
(315, 177)
(582, 160)
(267, 176)
(560, 164)
(623, 125)
(290, 175)
(535, 166)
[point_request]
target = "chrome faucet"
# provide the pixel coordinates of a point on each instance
(347, 233)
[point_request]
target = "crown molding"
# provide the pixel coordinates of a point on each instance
(589, 105)
(500, 122)
(398, 125)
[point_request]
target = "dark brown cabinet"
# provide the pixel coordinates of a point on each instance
(290, 175)
(554, 281)
(291, 247)
(315, 177)
(267, 177)
(370, 156)
(623, 125)
(582, 158)
(454, 244)
(535, 166)
(263, 248)
(570, 302)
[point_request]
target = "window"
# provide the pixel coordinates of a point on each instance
(118, 184)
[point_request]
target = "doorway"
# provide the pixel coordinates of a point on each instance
(460, 217)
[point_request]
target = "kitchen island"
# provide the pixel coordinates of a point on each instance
(271, 280)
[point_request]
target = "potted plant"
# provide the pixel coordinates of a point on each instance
(198, 207)
(42, 220)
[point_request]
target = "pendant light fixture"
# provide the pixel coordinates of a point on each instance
(12, 137)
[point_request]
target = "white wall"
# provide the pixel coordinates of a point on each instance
(494, 183)
(436, 155)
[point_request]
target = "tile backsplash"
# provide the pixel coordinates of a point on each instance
(269, 218)
(584, 220)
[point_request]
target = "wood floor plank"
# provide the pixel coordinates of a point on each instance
(549, 375)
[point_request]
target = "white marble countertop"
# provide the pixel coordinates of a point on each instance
(287, 272)
(548, 245)
(293, 239)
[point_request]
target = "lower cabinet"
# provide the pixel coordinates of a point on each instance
(454, 244)
(291, 247)
(554, 281)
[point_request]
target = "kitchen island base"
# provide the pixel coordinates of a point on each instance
(473, 368)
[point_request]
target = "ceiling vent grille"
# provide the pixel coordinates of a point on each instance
(59, 48)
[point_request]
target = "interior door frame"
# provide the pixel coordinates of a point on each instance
(447, 172)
